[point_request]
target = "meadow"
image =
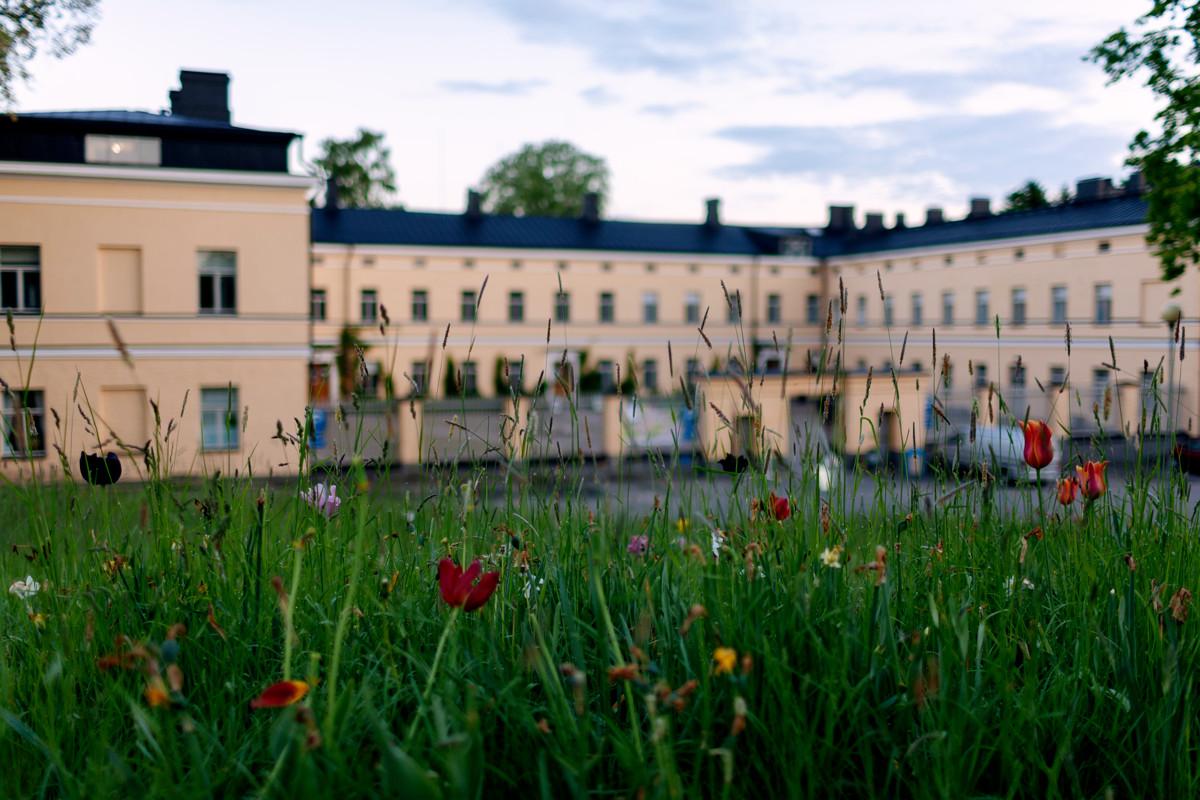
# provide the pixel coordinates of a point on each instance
(234, 638)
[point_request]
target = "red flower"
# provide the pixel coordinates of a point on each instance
(780, 507)
(1039, 451)
(1068, 487)
(459, 588)
(281, 694)
(1091, 479)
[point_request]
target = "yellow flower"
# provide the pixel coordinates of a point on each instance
(726, 659)
(682, 524)
(156, 692)
(38, 619)
(831, 557)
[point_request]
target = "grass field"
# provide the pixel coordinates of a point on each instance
(945, 652)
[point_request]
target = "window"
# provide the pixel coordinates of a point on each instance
(470, 377)
(889, 310)
(947, 308)
(1058, 376)
(1018, 306)
(693, 369)
(1058, 305)
(419, 373)
(21, 279)
(649, 307)
(368, 305)
(562, 306)
(516, 306)
(774, 308)
(691, 308)
(1016, 377)
(140, 150)
(918, 309)
(316, 304)
(812, 309)
(1100, 380)
(650, 375)
(981, 307)
(981, 376)
(467, 307)
(608, 378)
(219, 418)
(1103, 303)
(516, 375)
(420, 305)
(24, 424)
(218, 282)
(606, 307)
(735, 308)
(861, 311)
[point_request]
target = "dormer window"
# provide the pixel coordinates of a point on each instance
(139, 150)
(795, 246)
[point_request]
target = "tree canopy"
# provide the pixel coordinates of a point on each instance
(28, 25)
(548, 179)
(1031, 195)
(1163, 47)
(362, 166)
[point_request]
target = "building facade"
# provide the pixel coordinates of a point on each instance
(152, 258)
(163, 256)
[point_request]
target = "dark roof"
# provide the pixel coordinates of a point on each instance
(142, 119)
(392, 226)
(1113, 212)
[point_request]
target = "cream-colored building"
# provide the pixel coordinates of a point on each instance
(152, 258)
(158, 256)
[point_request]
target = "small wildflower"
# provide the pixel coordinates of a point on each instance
(623, 672)
(638, 545)
(1068, 488)
(725, 659)
(739, 716)
(278, 695)
(1091, 479)
(718, 539)
(459, 588)
(323, 499)
(781, 507)
(832, 557)
(694, 613)
(1180, 603)
(25, 589)
(682, 524)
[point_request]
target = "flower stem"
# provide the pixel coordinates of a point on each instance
(437, 659)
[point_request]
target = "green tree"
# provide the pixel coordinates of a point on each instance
(545, 180)
(28, 25)
(1030, 196)
(1163, 46)
(362, 167)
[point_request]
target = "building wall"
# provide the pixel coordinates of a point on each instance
(395, 273)
(122, 244)
(1119, 258)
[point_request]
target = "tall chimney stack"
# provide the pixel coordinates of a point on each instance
(201, 95)
(980, 207)
(474, 205)
(591, 208)
(841, 219)
(712, 215)
(934, 216)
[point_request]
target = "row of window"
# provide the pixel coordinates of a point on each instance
(467, 375)
(606, 310)
(23, 421)
(21, 280)
(1102, 309)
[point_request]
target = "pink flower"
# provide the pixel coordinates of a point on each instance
(323, 499)
(638, 545)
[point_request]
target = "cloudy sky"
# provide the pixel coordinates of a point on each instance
(777, 107)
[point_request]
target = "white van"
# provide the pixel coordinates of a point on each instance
(1002, 448)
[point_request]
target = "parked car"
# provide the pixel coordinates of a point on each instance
(1001, 447)
(1187, 454)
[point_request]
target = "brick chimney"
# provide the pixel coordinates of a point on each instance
(591, 208)
(900, 224)
(474, 205)
(201, 95)
(980, 207)
(874, 222)
(1091, 189)
(841, 219)
(934, 216)
(712, 212)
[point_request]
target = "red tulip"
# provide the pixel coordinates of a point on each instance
(1091, 479)
(281, 694)
(459, 588)
(1068, 487)
(780, 507)
(1039, 451)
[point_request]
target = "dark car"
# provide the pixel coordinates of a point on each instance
(1187, 454)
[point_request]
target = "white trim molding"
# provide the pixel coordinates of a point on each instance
(158, 174)
(163, 352)
(170, 205)
(974, 245)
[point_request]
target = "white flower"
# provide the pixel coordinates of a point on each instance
(832, 557)
(1012, 582)
(25, 589)
(717, 541)
(533, 585)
